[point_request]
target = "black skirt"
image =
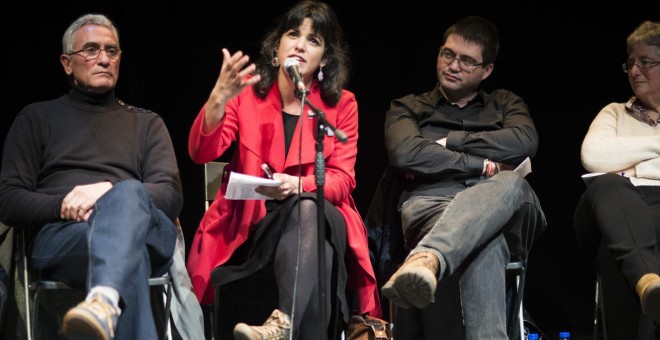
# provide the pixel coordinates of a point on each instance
(256, 254)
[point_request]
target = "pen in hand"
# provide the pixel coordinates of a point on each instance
(266, 169)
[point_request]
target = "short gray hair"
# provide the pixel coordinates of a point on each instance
(87, 19)
(647, 33)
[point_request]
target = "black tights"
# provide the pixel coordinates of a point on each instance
(306, 311)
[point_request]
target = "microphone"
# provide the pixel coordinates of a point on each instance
(291, 65)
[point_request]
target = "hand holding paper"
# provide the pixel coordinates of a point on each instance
(242, 187)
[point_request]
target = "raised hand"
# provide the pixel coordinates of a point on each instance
(232, 79)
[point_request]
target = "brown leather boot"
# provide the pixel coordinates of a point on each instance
(648, 289)
(414, 283)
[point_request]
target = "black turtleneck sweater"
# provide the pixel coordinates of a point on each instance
(83, 138)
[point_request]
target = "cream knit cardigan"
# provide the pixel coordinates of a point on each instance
(617, 140)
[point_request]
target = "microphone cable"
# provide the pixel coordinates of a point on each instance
(300, 143)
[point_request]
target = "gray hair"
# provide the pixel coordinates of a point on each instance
(647, 33)
(87, 19)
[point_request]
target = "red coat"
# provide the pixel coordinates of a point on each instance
(226, 224)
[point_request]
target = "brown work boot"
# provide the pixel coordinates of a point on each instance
(413, 284)
(277, 327)
(648, 289)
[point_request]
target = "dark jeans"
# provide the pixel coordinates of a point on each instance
(126, 241)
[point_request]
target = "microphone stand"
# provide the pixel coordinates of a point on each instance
(322, 125)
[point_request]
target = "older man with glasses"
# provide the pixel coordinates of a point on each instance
(95, 181)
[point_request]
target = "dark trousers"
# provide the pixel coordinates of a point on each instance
(618, 225)
(126, 241)
(626, 218)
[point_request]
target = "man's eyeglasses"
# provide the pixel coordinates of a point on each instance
(466, 64)
(93, 52)
(642, 65)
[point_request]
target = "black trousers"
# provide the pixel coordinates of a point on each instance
(618, 225)
(626, 218)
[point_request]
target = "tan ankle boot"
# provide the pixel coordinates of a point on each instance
(414, 283)
(648, 289)
(277, 327)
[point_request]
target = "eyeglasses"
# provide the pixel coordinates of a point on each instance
(466, 64)
(93, 52)
(642, 65)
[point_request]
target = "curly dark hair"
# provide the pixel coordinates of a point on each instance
(325, 24)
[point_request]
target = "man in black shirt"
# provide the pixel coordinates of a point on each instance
(455, 145)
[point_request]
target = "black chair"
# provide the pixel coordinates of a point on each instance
(67, 297)
(386, 246)
(408, 322)
(250, 300)
(516, 321)
(232, 304)
(617, 310)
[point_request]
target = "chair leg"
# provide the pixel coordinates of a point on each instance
(596, 311)
(521, 320)
(521, 294)
(216, 314)
(513, 327)
(26, 284)
(519, 307)
(168, 306)
(207, 314)
(599, 311)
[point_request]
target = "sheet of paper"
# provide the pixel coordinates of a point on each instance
(524, 168)
(588, 177)
(241, 187)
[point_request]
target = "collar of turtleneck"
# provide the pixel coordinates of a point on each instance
(82, 96)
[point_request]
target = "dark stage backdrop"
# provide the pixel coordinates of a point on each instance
(564, 62)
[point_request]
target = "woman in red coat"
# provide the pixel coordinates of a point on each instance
(257, 108)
